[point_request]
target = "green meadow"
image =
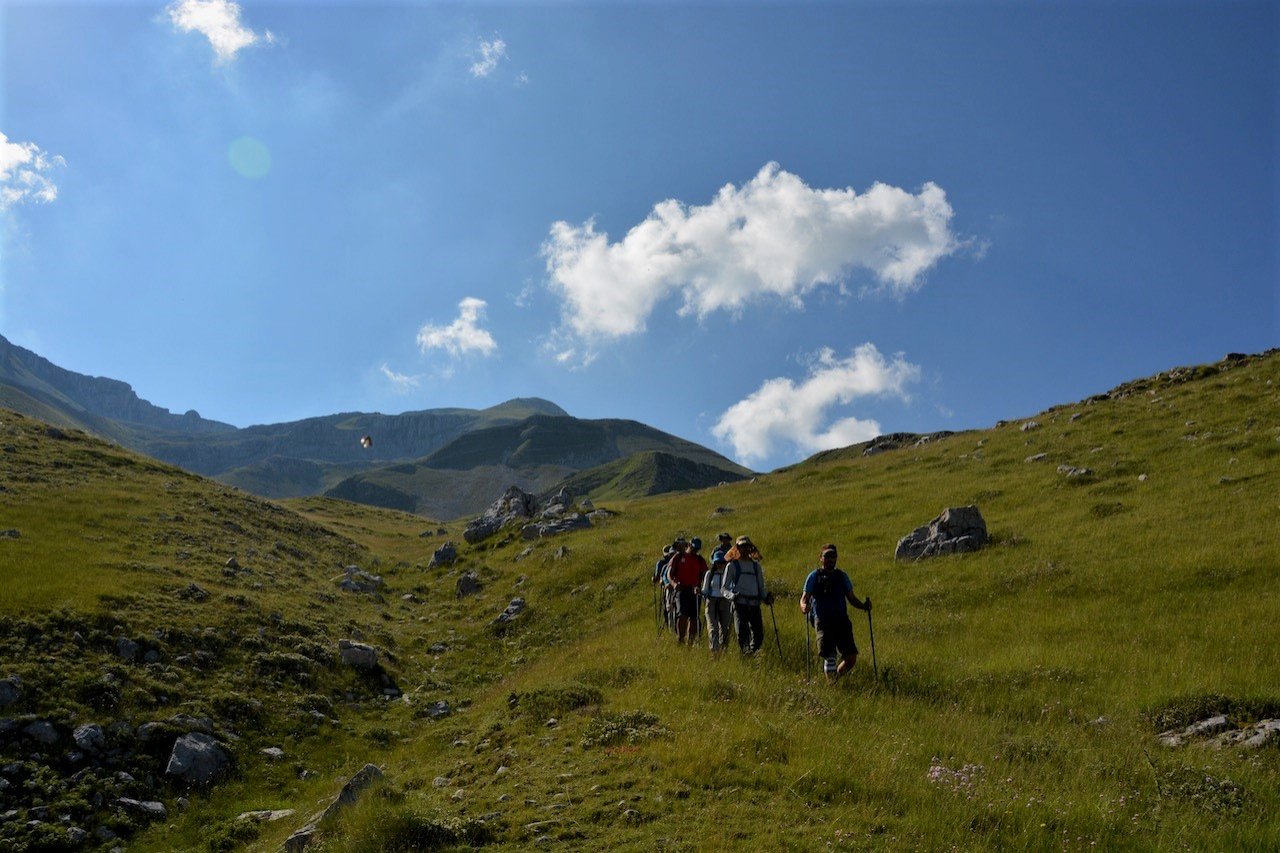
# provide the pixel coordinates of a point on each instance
(1016, 705)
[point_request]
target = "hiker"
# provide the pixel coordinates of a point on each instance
(826, 590)
(744, 585)
(719, 608)
(687, 569)
(669, 585)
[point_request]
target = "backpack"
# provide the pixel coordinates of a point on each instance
(828, 584)
(746, 584)
(713, 582)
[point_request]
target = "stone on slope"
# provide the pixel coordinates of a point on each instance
(445, 555)
(10, 690)
(197, 759)
(468, 584)
(956, 531)
(355, 580)
(514, 505)
(358, 655)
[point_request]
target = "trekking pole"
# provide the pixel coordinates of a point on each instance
(657, 613)
(808, 658)
(778, 639)
(872, 632)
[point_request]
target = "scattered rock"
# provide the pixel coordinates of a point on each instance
(126, 649)
(1039, 457)
(1226, 481)
(272, 753)
(148, 809)
(348, 796)
(525, 553)
(1142, 478)
(76, 836)
(193, 592)
(957, 530)
(468, 584)
(445, 555)
(721, 510)
(11, 533)
(899, 440)
(561, 552)
(458, 795)
(10, 690)
(1071, 472)
(355, 580)
(585, 505)
(233, 564)
(41, 731)
(514, 505)
(411, 598)
(438, 648)
(1077, 416)
(90, 737)
(437, 710)
(197, 759)
(265, 815)
(564, 524)
(440, 782)
(358, 655)
(1256, 736)
(1029, 426)
(514, 609)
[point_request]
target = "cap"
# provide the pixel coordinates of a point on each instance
(695, 543)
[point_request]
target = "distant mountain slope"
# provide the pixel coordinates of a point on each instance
(74, 394)
(469, 472)
(650, 472)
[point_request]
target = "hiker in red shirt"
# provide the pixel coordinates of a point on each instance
(687, 568)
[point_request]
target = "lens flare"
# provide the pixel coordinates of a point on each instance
(249, 157)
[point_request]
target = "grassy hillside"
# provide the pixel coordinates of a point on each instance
(1019, 690)
(649, 472)
(537, 454)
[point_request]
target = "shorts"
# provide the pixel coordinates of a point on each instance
(686, 602)
(836, 636)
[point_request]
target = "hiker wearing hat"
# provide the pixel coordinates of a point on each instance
(826, 590)
(719, 608)
(669, 584)
(744, 585)
(687, 569)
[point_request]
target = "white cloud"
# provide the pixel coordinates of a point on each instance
(24, 172)
(463, 335)
(782, 412)
(491, 53)
(773, 237)
(218, 21)
(401, 382)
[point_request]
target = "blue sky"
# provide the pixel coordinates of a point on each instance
(768, 229)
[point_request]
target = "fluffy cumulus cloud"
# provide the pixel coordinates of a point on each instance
(219, 22)
(461, 337)
(782, 413)
(773, 237)
(488, 57)
(24, 173)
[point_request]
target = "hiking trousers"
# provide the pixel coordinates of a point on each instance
(749, 622)
(719, 622)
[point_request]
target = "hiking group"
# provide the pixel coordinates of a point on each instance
(731, 591)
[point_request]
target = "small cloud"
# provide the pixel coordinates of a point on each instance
(401, 382)
(219, 22)
(24, 173)
(490, 54)
(463, 335)
(522, 79)
(774, 237)
(783, 412)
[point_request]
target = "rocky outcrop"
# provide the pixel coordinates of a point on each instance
(513, 611)
(348, 796)
(10, 690)
(445, 555)
(358, 655)
(899, 440)
(958, 530)
(355, 580)
(468, 584)
(197, 759)
(1222, 732)
(514, 505)
(554, 526)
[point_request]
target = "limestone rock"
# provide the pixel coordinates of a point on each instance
(355, 580)
(41, 731)
(90, 737)
(1029, 426)
(272, 753)
(358, 655)
(1039, 457)
(445, 555)
(126, 649)
(1071, 472)
(265, 815)
(148, 809)
(437, 710)
(957, 530)
(197, 759)
(468, 584)
(514, 609)
(514, 505)
(10, 690)
(11, 533)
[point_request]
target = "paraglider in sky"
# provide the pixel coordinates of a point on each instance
(366, 441)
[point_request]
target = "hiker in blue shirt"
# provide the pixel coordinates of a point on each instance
(826, 590)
